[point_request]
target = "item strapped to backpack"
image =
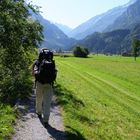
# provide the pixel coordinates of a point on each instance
(47, 72)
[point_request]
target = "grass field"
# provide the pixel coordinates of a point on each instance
(100, 96)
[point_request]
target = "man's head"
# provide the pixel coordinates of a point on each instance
(45, 54)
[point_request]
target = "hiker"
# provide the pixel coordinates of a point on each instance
(45, 74)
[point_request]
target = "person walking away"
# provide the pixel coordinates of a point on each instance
(44, 72)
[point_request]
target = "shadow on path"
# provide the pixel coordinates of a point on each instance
(55, 134)
(59, 135)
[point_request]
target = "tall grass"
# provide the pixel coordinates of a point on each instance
(7, 120)
(100, 96)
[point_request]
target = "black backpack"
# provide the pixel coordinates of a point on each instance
(47, 72)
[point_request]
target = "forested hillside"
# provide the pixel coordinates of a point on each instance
(115, 42)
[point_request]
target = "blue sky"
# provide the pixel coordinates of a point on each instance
(74, 12)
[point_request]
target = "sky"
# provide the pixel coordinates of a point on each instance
(74, 12)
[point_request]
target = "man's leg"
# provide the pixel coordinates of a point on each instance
(47, 97)
(39, 98)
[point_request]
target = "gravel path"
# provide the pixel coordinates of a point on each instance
(30, 127)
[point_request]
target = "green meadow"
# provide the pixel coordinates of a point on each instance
(100, 97)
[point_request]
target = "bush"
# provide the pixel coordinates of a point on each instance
(80, 51)
(126, 54)
(16, 88)
(18, 39)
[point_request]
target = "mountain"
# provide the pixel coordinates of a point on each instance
(63, 28)
(111, 32)
(99, 23)
(119, 35)
(128, 19)
(114, 42)
(105, 42)
(54, 38)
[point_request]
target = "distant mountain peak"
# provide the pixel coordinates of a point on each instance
(54, 38)
(100, 22)
(129, 3)
(129, 18)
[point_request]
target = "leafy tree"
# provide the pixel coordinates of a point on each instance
(136, 47)
(80, 51)
(19, 36)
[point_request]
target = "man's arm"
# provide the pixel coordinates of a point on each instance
(35, 68)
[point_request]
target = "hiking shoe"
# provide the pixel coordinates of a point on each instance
(39, 116)
(46, 124)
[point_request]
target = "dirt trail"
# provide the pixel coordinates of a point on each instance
(30, 127)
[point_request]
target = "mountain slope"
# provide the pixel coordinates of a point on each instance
(105, 42)
(63, 28)
(114, 42)
(54, 38)
(128, 19)
(99, 23)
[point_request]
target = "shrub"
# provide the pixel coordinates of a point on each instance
(18, 39)
(80, 51)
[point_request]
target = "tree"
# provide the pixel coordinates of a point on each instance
(19, 35)
(80, 51)
(136, 47)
